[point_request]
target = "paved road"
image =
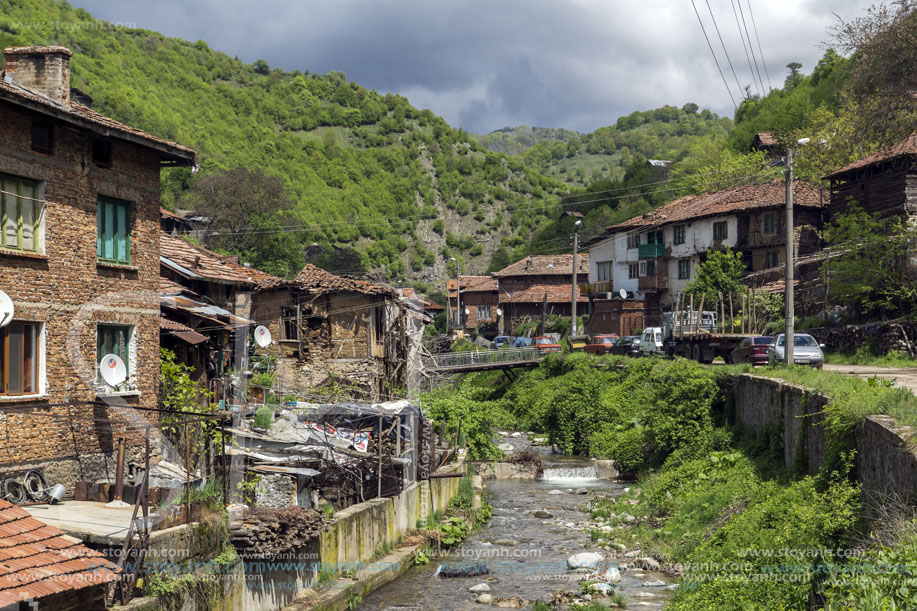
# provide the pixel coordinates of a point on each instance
(905, 377)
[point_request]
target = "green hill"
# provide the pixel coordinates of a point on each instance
(378, 186)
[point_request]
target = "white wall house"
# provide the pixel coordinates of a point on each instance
(687, 241)
(611, 261)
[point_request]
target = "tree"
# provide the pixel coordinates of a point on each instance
(690, 108)
(794, 76)
(249, 213)
(869, 271)
(721, 273)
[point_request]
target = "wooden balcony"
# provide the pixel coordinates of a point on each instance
(659, 282)
(593, 288)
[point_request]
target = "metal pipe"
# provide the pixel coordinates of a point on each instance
(119, 471)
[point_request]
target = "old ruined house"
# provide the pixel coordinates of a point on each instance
(335, 331)
(79, 251)
(539, 285)
(479, 298)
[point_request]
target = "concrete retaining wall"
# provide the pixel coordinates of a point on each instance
(886, 461)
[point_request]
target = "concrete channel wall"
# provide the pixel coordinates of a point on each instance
(886, 456)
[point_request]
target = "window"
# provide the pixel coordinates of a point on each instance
(678, 234)
(42, 137)
(770, 222)
(20, 368)
(483, 312)
(101, 153)
(720, 230)
(21, 214)
(288, 329)
(633, 240)
(654, 237)
(604, 271)
(113, 339)
(771, 259)
(114, 243)
(633, 271)
(684, 269)
(648, 268)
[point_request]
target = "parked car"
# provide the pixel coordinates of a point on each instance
(599, 344)
(651, 341)
(806, 350)
(545, 344)
(751, 350)
(501, 340)
(629, 345)
(520, 342)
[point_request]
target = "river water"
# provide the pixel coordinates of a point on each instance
(526, 556)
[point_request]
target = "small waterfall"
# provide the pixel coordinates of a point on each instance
(569, 473)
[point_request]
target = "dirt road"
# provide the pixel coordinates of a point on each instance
(905, 377)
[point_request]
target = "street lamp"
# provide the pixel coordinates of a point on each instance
(458, 294)
(788, 334)
(576, 227)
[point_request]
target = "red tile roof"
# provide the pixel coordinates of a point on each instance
(720, 203)
(212, 266)
(536, 292)
(477, 284)
(37, 560)
(318, 281)
(546, 265)
(908, 146)
(766, 138)
(87, 117)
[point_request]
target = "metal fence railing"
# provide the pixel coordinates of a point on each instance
(476, 358)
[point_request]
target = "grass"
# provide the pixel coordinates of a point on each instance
(865, 357)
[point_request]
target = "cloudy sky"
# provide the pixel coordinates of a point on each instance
(483, 65)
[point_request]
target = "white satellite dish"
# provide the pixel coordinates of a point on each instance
(113, 370)
(622, 294)
(6, 309)
(467, 312)
(262, 336)
(499, 312)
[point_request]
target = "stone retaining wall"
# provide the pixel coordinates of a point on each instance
(882, 338)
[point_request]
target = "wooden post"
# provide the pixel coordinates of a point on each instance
(731, 315)
(544, 312)
(458, 435)
(722, 312)
(744, 314)
(681, 315)
(119, 471)
(754, 310)
(750, 317)
(700, 310)
(690, 312)
(223, 461)
(187, 474)
(379, 469)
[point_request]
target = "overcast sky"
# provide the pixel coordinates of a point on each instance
(483, 65)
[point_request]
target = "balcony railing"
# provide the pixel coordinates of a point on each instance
(650, 251)
(594, 288)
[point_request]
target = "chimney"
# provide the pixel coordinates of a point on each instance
(44, 71)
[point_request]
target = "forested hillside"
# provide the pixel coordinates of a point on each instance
(373, 184)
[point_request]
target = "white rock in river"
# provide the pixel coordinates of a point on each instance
(517, 433)
(584, 560)
(612, 575)
(654, 584)
(484, 599)
(647, 564)
(556, 492)
(481, 587)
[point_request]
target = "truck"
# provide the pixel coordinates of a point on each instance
(693, 335)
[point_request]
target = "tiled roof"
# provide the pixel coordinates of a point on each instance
(544, 265)
(37, 560)
(729, 201)
(171, 215)
(766, 138)
(473, 284)
(79, 114)
(211, 266)
(536, 292)
(908, 146)
(318, 281)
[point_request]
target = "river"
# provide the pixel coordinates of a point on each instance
(526, 555)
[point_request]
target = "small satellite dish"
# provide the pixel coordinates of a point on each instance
(622, 294)
(499, 312)
(467, 312)
(262, 336)
(112, 369)
(6, 309)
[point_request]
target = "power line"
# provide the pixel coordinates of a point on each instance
(723, 44)
(744, 46)
(760, 50)
(750, 46)
(715, 60)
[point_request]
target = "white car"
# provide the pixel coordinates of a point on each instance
(806, 350)
(651, 341)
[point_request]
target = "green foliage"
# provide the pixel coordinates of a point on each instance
(264, 417)
(869, 274)
(178, 392)
(454, 530)
(719, 274)
(465, 495)
(422, 557)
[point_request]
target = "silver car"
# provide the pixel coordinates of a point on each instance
(806, 350)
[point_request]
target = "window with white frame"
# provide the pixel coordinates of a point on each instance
(684, 269)
(633, 271)
(770, 222)
(603, 271)
(678, 234)
(771, 259)
(720, 230)
(647, 268)
(20, 370)
(633, 240)
(483, 312)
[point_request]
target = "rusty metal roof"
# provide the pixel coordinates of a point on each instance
(37, 560)
(906, 147)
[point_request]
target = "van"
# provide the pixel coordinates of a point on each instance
(651, 341)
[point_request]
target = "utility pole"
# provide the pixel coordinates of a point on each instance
(458, 295)
(576, 227)
(788, 340)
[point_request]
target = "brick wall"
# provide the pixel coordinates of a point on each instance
(70, 292)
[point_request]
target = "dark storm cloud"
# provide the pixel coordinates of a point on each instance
(484, 65)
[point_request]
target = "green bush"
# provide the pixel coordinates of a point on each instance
(623, 445)
(264, 416)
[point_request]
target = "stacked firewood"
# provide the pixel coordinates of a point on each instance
(267, 533)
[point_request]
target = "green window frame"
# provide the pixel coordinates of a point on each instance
(114, 235)
(20, 214)
(113, 339)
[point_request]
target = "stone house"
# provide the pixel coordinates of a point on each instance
(539, 285)
(479, 300)
(79, 195)
(334, 330)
